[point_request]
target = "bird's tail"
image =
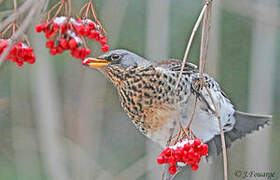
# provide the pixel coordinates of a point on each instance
(245, 124)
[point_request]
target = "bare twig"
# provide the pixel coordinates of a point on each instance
(203, 54)
(24, 8)
(193, 113)
(221, 130)
(207, 12)
(163, 174)
(205, 37)
(178, 120)
(190, 43)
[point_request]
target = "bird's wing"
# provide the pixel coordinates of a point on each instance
(176, 65)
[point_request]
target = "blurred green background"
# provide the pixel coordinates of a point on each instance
(61, 121)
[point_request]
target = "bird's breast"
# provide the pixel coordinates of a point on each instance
(148, 99)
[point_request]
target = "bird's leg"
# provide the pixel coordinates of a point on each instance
(196, 87)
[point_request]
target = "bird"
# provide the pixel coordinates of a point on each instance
(149, 96)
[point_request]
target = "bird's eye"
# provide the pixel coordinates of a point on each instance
(115, 57)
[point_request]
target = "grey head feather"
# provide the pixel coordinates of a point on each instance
(127, 59)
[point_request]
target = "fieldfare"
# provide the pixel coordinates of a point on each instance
(148, 96)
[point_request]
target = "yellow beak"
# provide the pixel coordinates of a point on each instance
(95, 63)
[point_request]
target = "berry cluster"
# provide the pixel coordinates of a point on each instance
(68, 33)
(19, 53)
(185, 152)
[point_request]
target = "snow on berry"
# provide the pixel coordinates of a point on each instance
(68, 33)
(19, 53)
(187, 152)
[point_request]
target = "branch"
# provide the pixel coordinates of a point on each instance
(206, 26)
(24, 8)
(190, 43)
(221, 131)
(203, 55)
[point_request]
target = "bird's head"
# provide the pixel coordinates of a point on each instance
(116, 63)
(120, 59)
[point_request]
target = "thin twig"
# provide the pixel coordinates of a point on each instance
(59, 9)
(193, 113)
(87, 10)
(69, 7)
(96, 19)
(205, 37)
(163, 174)
(82, 10)
(50, 11)
(6, 30)
(24, 8)
(189, 44)
(203, 54)
(183, 66)
(15, 6)
(221, 131)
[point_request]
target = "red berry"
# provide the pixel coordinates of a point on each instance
(32, 60)
(86, 31)
(91, 25)
(187, 146)
(53, 51)
(63, 28)
(160, 160)
(103, 40)
(197, 142)
(191, 153)
(194, 167)
(63, 43)
(59, 49)
(19, 63)
(204, 148)
(167, 152)
(77, 52)
(93, 34)
(50, 43)
(98, 36)
(55, 27)
(172, 169)
(171, 160)
(87, 51)
(105, 48)
(72, 43)
(39, 28)
(80, 29)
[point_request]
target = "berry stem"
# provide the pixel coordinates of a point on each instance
(96, 19)
(84, 42)
(51, 10)
(177, 137)
(6, 30)
(15, 6)
(15, 11)
(69, 7)
(62, 3)
(83, 9)
(87, 11)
